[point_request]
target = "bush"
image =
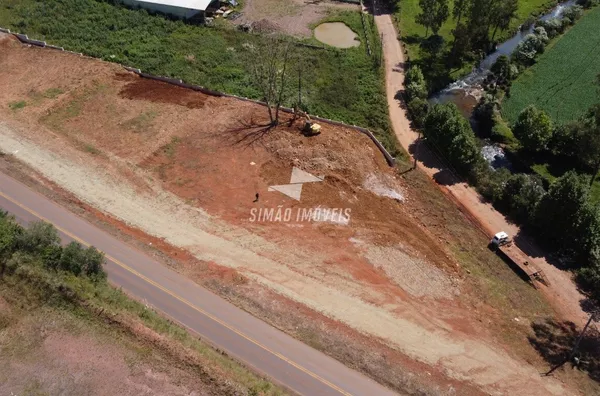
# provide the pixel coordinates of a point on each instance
(415, 85)
(533, 129)
(587, 3)
(553, 26)
(485, 113)
(562, 216)
(527, 49)
(450, 134)
(9, 234)
(492, 183)
(38, 237)
(573, 13)
(501, 132)
(418, 109)
(522, 194)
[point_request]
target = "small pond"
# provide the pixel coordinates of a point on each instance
(336, 34)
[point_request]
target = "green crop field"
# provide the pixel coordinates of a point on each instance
(562, 80)
(345, 85)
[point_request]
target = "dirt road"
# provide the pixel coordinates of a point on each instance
(562, 293)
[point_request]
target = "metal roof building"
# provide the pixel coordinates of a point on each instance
(184, 9)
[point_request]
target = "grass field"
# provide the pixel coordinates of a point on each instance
(345, 85)
(562, 80)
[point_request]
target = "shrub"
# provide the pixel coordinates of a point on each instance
(527, 49)
(573, 13)
(415, 84)
(522, 193)
(9, 234)
(491, 184)
(450, 133)
(540, 32)
(485, 112)
(501, 132)
(418, 109)
(553, 26)
(38, 237)
(533, 129)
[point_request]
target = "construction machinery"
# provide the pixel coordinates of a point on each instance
(310, 127)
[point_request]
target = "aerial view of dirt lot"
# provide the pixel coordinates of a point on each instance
(385, 274)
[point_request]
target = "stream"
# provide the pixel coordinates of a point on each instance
(466, 92)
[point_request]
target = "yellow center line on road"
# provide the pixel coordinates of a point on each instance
(189, 304)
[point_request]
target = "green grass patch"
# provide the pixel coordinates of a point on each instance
(141, 122)
(17, 105)
(345, 85)
(412, 33)
(562, 80)
(52, 93)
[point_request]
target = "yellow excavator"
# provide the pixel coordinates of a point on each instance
(310, 128)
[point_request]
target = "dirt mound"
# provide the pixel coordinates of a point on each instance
(265, 26)
(157, 91)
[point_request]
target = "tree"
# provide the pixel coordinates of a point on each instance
(460, 8)
(533, 129)
(562, 211)
(522, 194)
(416, 87)
(38, 237)
(268, 66)
(450, 133)
(433, 14)
(502, 13)
(589, 140)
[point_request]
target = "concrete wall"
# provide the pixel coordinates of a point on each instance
(183, 13)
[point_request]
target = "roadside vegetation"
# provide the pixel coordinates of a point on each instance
(447, 37)
(552, 187)
(39, 276)
(345, 85)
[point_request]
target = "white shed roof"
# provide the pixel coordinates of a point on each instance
(188, 4)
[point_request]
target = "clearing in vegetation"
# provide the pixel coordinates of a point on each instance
(341, 84)
(562, 82)
(408, 269)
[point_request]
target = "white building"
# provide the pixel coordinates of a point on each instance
(184, 9)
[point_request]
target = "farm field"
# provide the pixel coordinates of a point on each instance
(412, 32)
(562, 81)
(345, 85)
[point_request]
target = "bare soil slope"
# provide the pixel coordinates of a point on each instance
(186, 168)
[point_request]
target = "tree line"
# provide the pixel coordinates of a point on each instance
(40, 244)
(477, 22)
(562, 215)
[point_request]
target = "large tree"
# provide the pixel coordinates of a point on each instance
(450, 133)
(501, 14)
(433, 14)
(563, 213)
(268, 63)
(589, 140)
(533, 129)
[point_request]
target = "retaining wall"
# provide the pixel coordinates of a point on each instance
(388, 157)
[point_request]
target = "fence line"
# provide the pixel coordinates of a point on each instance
(178, 82)
(364, 25)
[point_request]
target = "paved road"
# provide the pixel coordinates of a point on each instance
(269, 351)
(563, 293)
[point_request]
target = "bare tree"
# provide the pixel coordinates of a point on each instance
(268, 64)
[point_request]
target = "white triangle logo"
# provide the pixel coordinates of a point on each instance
(300, 176)
(291, 190)
(294, 189)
